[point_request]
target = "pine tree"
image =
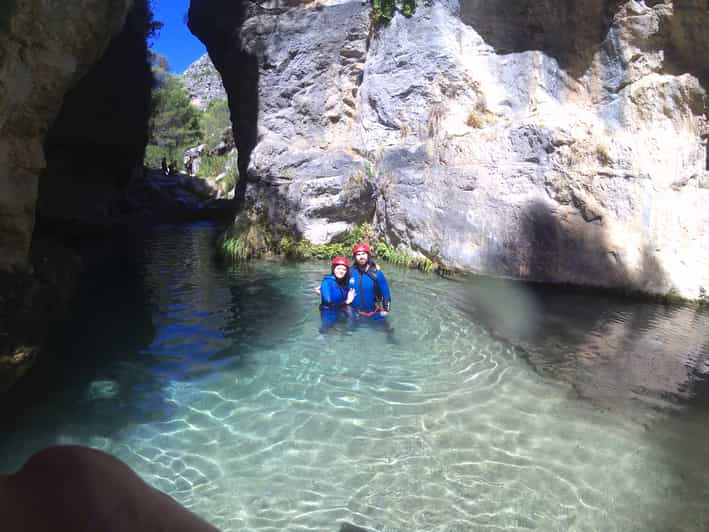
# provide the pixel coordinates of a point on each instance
(175, 122)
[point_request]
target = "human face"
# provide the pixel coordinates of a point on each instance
(340, 271)
(362, 257)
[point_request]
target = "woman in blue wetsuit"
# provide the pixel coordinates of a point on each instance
(335, 294)
(372, 296)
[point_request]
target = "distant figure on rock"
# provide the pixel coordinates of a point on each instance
(163, 165)
(172, 169)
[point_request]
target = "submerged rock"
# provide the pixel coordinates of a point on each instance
(103, 389)
(348, 527)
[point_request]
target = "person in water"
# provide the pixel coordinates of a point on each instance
(371, 290)
(335, 293)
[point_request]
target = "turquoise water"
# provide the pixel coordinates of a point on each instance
(481, 406)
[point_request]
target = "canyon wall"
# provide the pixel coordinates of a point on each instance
(549, 141)
(74, 105)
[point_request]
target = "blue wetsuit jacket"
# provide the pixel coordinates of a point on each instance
(366, 289)
(333, 294)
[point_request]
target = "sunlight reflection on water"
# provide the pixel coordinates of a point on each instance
(482, 405)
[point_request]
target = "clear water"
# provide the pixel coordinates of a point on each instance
(483, 406)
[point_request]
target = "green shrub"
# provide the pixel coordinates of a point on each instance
(400, 258)
(383, 10)
(343, 244)
(230, 179)
(214, 121)
(244, 240)
(174, 121)
(153, 156)
(211, 165)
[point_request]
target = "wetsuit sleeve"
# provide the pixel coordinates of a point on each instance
(326, 292)
(384, 289)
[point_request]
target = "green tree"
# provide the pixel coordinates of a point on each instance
(215, 120)
(174, 123)
(383, 10)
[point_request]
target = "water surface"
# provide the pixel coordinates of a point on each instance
(481, 406)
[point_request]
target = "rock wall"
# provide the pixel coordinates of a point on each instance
(95, 145)
(542, 140)
(45, 52)
(203, 82)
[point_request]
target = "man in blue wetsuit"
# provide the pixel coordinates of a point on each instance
(372, 296)
(335, 293)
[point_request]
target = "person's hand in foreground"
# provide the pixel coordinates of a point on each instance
(77, 489)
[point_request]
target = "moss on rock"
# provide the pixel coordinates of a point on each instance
(250, 237)
(247, 238)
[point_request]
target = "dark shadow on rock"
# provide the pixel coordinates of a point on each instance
(573, 31)
(571, 247)
(568, 30)
(217, 23)
(598, 339)
(178, 198)
(645, 361)
(99, 137)
(688, 40)
(96, 141)
(81, 349)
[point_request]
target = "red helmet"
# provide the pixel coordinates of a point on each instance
(361, 247)
(340, 261)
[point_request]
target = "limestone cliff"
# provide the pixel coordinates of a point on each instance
(543, 140)
(203, 83)
(71, 130)
(43, 53)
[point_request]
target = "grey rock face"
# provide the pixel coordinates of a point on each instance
(548, 141)
(310, 68)
(43, 52)
(96, 143)
(203, 82)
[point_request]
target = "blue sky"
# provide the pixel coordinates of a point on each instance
(175, 41)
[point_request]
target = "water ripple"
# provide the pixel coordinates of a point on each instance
(475, 414)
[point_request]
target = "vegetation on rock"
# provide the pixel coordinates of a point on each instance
(178, 124)
(383, 10)
(175, 122)
(213, 122)
(246, 240)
